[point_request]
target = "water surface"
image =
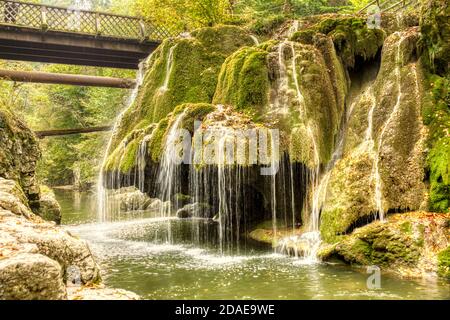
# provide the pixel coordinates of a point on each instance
(132, 258)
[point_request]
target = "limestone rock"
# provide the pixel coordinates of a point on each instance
(49, 209)
(29, 276)
(19, 152)
(23, 231)
(195, 210)
(407, 244)
(100, 293)
(13, 199)
(392, 147)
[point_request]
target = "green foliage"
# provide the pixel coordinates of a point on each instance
(444, 263)
(267, 24)
(192, 76)
(47, 107)
(435, 31)
(352, 38)
(358, 4)
(439, 164)
(243, 81)
(436, 115)
(183, 14)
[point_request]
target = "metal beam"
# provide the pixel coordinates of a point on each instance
(70, 79)
(63, 132)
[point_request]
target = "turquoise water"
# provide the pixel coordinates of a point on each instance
(131, 259)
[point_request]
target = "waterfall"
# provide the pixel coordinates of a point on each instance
(255, 40)
(103, 205)
(378, 182)
(368, 143)
(169, 65)
(141, 161)
(293, 28)
(169, 175)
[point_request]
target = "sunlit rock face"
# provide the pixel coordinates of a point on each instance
(410, 244)
(382, 167)
(37, 257)
(19, 153)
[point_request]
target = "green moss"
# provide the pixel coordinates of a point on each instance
(267, 24)
(331, 225)
(444, 263)
(435, 43)
(439, 164)
(352, 38)
(304, 36)
(194, 112)
(128, 159)
(243, 82)
(435, 34)
(192, 76)
(379, 244)
(436, 115)
(406, 227)
(157, 142)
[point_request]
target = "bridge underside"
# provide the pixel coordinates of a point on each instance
(71, 48)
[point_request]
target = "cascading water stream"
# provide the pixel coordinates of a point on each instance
(141, 161)
(103, 204)
(169, 65)
(255, 40)
(169, 176)
(368, 144)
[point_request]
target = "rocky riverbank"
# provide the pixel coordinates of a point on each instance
(410, 245)
(39, 260)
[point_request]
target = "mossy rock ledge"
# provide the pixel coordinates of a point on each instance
(411, 245)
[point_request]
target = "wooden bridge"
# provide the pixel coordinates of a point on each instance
(41, 33)
(388, 5)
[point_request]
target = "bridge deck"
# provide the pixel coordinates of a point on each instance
(34, 32)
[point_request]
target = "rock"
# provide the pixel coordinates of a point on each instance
(180, 200)
(100, 293)
(49, 209)
(28, 276)
(196, 209)
(19, 152)
(396, 145)
(130, 199)
(23, 231)
(13, 199)
(406, 244)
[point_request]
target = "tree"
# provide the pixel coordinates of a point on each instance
(184, 14)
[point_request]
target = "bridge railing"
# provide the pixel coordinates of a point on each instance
(388, 5)
(53, 18)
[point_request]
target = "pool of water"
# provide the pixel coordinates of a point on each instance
(132, 258)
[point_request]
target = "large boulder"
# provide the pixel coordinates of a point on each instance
(28, 276)
(19, 153)
(196, 209)
(34, 251)
(409, 244)
(13, 199)
(49, 208)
